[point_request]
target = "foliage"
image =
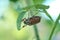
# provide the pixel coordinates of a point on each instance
(38, 6)
(19, 19)
(13, 0)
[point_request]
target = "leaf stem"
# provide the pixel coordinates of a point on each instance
(54, 27)
(36, 32)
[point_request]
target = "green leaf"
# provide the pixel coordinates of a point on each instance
(38, 1)
(38, 6)
(13, 0)
(29, 2)
(41, 6)
(19, 19)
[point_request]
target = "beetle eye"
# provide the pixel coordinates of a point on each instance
(27, 21)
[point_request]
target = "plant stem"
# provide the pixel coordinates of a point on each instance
(36, 32)
(47, 14)
(54, 27)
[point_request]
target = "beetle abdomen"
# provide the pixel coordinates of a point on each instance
(34, 20)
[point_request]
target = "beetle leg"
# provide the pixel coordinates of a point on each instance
(24, 19)
(24, 26)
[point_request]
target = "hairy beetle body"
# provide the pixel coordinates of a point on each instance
(32, 20)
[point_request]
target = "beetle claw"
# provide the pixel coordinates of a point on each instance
(24, 26)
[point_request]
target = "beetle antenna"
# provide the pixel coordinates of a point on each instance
(28, 15)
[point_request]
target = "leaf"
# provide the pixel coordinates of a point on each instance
(13, 0)
(41, 6)
(29, 2)
(38, 1)
(19, 19)
(38, 6)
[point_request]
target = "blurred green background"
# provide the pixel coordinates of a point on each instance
(9, 11)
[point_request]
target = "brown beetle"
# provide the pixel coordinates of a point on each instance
(32, 20)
